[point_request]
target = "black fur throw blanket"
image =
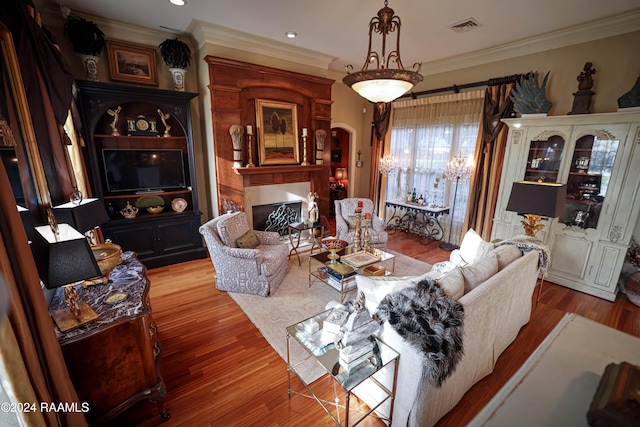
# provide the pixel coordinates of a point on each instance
(432, 322)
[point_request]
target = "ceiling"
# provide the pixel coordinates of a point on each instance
(339, 28)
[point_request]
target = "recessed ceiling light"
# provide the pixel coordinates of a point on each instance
(291, 34)
(178, 2)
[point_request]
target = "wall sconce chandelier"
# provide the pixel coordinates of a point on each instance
(388, 165)
(383, 84)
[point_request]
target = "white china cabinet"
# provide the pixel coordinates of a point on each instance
(598, 157)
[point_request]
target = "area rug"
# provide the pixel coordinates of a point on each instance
(295, 301)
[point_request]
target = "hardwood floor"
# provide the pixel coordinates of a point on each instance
(220, 371)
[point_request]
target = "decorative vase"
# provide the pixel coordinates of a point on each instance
(632, 288)
(91, 66)
(178, 78)
(321, 136)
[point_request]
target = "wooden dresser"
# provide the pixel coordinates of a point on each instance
(114, 361)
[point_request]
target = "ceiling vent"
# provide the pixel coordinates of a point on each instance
(465, 25)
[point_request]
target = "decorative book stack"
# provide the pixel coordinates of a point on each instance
(340, 281)
(353, 355)
(334, 321)
(354, 340)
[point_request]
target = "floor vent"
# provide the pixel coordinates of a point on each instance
(466, 25)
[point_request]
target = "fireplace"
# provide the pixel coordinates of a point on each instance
(256, 196)
(276, 216)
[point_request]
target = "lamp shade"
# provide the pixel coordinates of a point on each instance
(538, 198)
(64, 259)
(87, 215)
(28, 221)
(341, 173)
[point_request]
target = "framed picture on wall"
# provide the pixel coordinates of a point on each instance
(277, 124)
(132, 63)
(336, 156)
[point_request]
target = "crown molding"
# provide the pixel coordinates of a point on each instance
(608, 27)
(129, 32)
(206, 33)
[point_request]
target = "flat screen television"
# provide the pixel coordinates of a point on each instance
(143, 170)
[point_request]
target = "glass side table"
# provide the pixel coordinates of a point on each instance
(297, 229)
(320, 350)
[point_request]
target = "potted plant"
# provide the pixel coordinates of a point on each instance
(177, 55)
(87, 40)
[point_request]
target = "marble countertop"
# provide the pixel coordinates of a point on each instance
(128, 277)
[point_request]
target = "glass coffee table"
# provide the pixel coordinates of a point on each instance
(340, 275)
(320, 350)
(315, 232)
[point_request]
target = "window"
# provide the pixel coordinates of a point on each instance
(425, 135)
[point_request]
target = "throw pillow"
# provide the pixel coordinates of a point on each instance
(248, 240)
(506, 254)
(229, 229)
(376, 288)
(452, 283)
(479, 272)
(443, 267)
(473, 247)
(351, 220)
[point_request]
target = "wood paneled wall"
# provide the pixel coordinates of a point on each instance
(234, 87)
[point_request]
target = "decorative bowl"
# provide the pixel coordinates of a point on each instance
(108, 256)
(334, 244)
(179, 204)
(155, 209)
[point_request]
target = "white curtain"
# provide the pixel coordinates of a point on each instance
(426, 134)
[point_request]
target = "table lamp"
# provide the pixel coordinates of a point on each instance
(64, 258)
(536, 200)
(28, 221)
(84, 215)
(341, 173)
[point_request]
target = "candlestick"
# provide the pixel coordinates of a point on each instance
(250, 163)
(304, 148)
(249, 130)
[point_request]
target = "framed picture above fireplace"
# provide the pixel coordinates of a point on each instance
(277, 124)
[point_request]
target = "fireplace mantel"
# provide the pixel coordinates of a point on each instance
(260, 170)
(235, 87)
(284, 174)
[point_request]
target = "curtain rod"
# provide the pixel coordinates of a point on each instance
(456, 88)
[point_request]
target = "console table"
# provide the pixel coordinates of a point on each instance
(114, 361)
(415, 218)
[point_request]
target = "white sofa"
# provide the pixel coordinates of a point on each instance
(495, 309)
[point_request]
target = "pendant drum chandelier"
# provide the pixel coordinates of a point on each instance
(383, 84)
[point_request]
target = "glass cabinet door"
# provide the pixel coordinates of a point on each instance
(591, 167)
(544, 158)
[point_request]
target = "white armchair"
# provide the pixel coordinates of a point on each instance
(259, 270)
(345, 209)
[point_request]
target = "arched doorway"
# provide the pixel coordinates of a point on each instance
(341, 172)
